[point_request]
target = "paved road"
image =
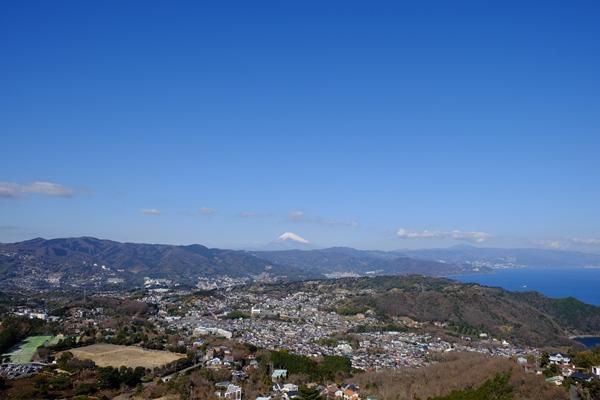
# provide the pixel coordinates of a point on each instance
(183, 371)
(573, 393)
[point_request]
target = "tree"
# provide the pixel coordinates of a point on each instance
(131, 377)
(496, 388)
(41, 386)
(16, 328)
(551, 370)
(108, 378)
(60, 382)
(309, 394)
(64, 359)
(84, 389)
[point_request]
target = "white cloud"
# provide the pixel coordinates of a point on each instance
(474, 237)
(13, 190)
(10, 190)
(252, 214)
(477, 237)
(300, 216)
(49, 189)
(207, 211)
(567, 243)
(406, 234)
(586, 241)
(297, 216)
(150, 211)
(549, 244)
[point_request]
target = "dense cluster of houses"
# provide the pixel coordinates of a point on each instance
(16, 371)
(32, 313)
(281, 388)
(302, 322)
(287, 391)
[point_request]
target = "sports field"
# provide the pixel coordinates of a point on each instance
(27, 348)
(111, 355)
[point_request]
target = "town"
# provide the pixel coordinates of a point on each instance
(231, 335)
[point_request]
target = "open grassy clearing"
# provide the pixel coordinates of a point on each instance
(28, 347)
(111, 355)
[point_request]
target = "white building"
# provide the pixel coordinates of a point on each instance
(557, 380)
(522, 361)
(231, 392)
(559, 358)
(344, 348)
(202, 331)
(596, 371)
(38, 315)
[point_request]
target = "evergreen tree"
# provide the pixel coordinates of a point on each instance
(309, 394)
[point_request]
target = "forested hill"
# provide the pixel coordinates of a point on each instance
(85, 261)
(525, 318)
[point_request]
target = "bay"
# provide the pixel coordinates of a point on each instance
(581, 283)
(588, 341)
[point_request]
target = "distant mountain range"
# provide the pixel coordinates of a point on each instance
(91, 262)
(345, 261)
(498, 257)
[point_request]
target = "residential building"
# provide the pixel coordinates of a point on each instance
(228, 391)
(279, 374)
(559, 358)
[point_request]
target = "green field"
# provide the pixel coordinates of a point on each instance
(27, 349)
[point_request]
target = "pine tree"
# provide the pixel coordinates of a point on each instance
(309, 394)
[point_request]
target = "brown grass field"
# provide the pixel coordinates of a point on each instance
(111, 355)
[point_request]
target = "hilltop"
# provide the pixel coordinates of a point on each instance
(524, 318)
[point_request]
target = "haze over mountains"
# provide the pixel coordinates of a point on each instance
(86, 261)
(343, 261)
(500, 257)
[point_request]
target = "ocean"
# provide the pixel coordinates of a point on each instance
(581, 283)
(588, 341)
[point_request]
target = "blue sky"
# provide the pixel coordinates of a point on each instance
(367, 124)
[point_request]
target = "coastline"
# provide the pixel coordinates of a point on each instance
(557, 283)
(588, 341)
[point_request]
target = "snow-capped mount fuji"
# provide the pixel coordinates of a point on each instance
(292, 237)
(288, 241)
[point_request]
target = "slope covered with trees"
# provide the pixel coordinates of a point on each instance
(525, 318)
(459, 376)
(84, 261)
